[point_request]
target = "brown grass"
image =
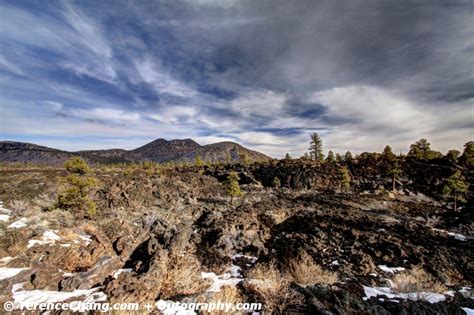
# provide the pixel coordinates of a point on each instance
(305, 271)
(416, 280)
(273, 288)
(227, 294)
(180, 275)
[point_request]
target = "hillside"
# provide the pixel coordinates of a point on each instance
(159, 150)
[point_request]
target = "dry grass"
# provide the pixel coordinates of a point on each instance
(273, 288)
(18, 207)
(416, 280)
(180, 275)
(227, 294)
(305, 271)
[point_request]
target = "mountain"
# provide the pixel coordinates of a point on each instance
(160, 150)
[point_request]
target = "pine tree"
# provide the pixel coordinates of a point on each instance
(344, 177)
(348, 157)
(391, 165)
(467, 157)
(330, 157)
(231, 186)
(245, 158)
(76, 195)
(316, 148)
(287, 157)
(422, 150)
(338, 158)
(456, 187)
(453, 155)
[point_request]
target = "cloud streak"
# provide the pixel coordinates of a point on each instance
(266, 74)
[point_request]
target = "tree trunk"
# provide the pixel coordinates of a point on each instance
(455, 203)
(393, 183)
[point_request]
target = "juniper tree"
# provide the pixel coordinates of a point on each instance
(287, 157)
(338, 158)
(456, 187)
(231, 186)
(422, 150)
(316, 147)
(76, 195)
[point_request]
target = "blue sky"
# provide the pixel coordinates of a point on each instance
(117, 74)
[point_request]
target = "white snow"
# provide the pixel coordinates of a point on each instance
(335, 263)
(17, 286)
(469, 311)
(118, 272)
(172, 308)
(4, 217)
(42, 296)
(251, 258)
(6, 273)
(18, 224)
(390, 269)
(86, 238)
(6, 260)
(219, 281)
(414, 296)
(457, 236)
(49, 237)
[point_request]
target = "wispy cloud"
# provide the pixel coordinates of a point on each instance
(263, 73)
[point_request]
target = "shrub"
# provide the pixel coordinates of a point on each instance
(276, 182)
(76, 195)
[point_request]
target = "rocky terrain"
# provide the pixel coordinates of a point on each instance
(160, 150)
(307, 247)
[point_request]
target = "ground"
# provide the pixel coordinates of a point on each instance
(308, 247)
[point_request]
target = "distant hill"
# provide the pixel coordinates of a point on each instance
(160, 150)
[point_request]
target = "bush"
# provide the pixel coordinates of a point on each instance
(231, 186)
(416, 280)
(76, 195)
(305, 271)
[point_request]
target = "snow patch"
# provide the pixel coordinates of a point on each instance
(118, 272)
(49, 237)
(6, 260)
(17, 286)
(42, 296)
(457, 236)
(390, 269)
(4, 217)
(18, 224)
(6, 273)
(469, 311)
(414, 296)
(335, 263)
(172, 308)
(219, 281)
(86, 238)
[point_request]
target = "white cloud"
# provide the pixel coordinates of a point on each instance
(108, 114)
(150, 72)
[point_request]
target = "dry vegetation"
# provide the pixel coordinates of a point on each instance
(272, 288)
(305, 271)
(416, 280)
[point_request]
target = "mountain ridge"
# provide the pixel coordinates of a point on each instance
(159, 150)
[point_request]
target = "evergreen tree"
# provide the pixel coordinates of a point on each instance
(391, 165)
(287, 157)
(422, 150)
(456, 187)
(330, 157)
(276, 182)
(245, 158)
(348, 157)
(231, 186)
(338, 158)
(198, 161)
(316, 148)
(467, 157)
(453, 155)
(76, 195)
(344, 177)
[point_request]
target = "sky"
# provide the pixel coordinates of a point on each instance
(117, 74)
